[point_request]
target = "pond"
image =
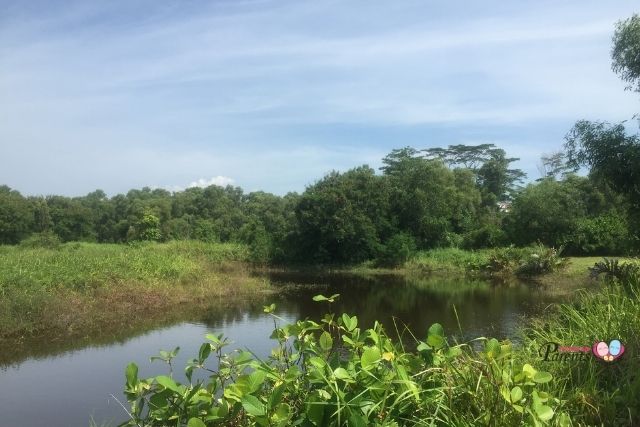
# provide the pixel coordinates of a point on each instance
(50, 387)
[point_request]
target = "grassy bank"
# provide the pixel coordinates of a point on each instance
(79, 287)
(595, 392)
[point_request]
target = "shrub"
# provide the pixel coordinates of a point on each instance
(604, 234)
(488, 236)
(333, 373)
(46, 239)
(626, 275)
(529, 261)
(397, 250)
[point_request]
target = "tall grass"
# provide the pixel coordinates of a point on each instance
(447, 259)
(527, 261)
(595, 393)
(38, 286)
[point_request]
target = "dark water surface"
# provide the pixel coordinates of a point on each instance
(54, 388)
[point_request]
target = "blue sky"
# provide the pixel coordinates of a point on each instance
(271, 95)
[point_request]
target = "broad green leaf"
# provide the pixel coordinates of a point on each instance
(217, 339)
(374, 336)
(544, 412)
(436, 329)
(516, 394)
(205, 351)
(319, 298)
(255, 380)
(131, 373)
(281, 414)
(454, 352)
(423, 347)
(348, 340)
(275, 397)
(326, 342)
(318, 362)
(253, 406)
(159, 400)
(168, 383)
(504, 391)
(342, 374)
(492, 348)
(196, 422)
(350, 322)
(529, 370)
(293, 372)
(435, 341)
(369, 357)
(542, 377)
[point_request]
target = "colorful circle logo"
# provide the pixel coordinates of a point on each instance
(608, 352)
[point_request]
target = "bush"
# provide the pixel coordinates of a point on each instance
(529, 261)
(605, 234)
(46, 239)
(488, 236)
(397, 250)
(626, 275)
(333, 373)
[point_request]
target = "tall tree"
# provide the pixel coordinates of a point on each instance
(424, 196)
(556, 165)
(497, 181)
(16, 216)
(611, 154)
(461, 155)
(625, 54)
(342, 217)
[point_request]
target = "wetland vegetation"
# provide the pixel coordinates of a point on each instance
(430, 233)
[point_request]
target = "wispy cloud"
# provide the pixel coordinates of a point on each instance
(275, 93)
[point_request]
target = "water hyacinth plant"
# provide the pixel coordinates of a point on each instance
(335, 373)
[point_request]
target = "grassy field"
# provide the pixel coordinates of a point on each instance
(81, 286)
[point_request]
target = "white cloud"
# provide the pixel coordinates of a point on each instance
(220, 181)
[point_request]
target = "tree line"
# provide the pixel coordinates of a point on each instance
(460, 196)
(465, 196)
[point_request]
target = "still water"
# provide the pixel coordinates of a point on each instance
(71, 388)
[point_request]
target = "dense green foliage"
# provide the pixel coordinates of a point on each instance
(575, 213)
(334, 372)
